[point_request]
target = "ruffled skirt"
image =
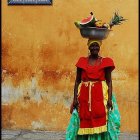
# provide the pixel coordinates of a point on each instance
(109, 131)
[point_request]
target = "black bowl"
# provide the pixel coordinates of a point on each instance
(94, 33)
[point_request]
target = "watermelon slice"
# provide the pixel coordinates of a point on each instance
(89, 21)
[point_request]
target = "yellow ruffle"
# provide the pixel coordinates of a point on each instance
(79, 87)
(105, 90)
(105, 95)
(95, 130)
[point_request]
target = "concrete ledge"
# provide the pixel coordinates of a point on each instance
(48, 135)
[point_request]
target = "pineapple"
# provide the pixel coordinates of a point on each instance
(116, 20)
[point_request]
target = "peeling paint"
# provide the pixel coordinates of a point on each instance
(38, 125)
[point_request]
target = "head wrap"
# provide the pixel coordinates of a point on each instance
(90, 41)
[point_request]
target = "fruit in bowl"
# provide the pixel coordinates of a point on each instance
(91, 21)
(86, 22)
(92, 28)
(99, 24)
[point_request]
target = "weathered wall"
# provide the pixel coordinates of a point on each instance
(40, 46)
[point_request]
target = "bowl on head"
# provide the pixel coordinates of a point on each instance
(94, 33)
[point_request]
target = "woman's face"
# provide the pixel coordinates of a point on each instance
(94, 48)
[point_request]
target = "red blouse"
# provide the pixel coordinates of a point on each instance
(95, 72)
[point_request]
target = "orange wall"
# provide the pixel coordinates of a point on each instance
(40, 46)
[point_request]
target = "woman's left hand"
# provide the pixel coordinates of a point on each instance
(74, 105)
(109, 105)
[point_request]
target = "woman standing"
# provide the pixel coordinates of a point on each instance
(93, 93)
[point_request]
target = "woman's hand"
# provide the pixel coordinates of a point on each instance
(109, 105)
(74, 105)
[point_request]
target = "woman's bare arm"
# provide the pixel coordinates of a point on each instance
(109, 83)
(77, 82)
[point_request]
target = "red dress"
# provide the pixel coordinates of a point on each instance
(92, 96)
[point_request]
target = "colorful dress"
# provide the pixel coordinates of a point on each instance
(93, 96)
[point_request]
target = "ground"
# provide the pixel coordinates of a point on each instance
(48, 135)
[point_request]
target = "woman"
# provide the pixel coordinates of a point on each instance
(93, 93)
